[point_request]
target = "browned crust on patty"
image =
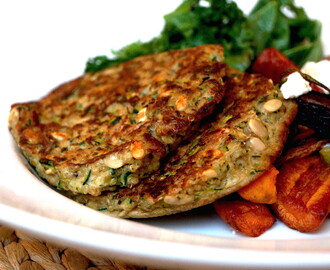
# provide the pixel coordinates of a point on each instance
(113, 127)
(220, 159)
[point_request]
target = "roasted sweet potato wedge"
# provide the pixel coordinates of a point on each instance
(263, 189)
(249, 218)
(303, 193)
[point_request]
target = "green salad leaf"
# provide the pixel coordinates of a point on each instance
(271, 23)
(283, 25)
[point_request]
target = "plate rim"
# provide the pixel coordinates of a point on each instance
(157, 251)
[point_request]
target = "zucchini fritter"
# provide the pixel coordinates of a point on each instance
(113, 127)
(227, 154)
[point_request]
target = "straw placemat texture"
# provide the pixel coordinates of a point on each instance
(19, 251)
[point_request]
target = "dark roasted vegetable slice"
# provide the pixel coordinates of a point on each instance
(314, 112)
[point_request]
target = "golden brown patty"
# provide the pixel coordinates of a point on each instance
(111, 128)
(224, 156)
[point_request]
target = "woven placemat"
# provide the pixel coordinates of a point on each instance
(19, 251)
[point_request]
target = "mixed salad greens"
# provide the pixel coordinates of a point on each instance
(271, 23)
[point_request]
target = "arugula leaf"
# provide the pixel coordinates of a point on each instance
(271, 23)
(191, 24)
(295, 35)
(263, 21)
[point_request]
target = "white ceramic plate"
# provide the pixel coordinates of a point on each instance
(44, 43)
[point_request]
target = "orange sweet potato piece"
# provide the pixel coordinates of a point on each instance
(303, 193)
(249, 218)
(263, 189)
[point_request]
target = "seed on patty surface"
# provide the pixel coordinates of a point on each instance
(181, 103)
(137, 150)
(14, 115)
(257, 144)
(142, 115)
(210, 173)
(258, 128)
(58, 135)
(113, 162)
(273, 105)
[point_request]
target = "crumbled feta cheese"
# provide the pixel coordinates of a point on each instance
(295, 86)
(319, 71)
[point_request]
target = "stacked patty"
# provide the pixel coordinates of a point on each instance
(226, 154)
(157, 135)
(113, 127)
